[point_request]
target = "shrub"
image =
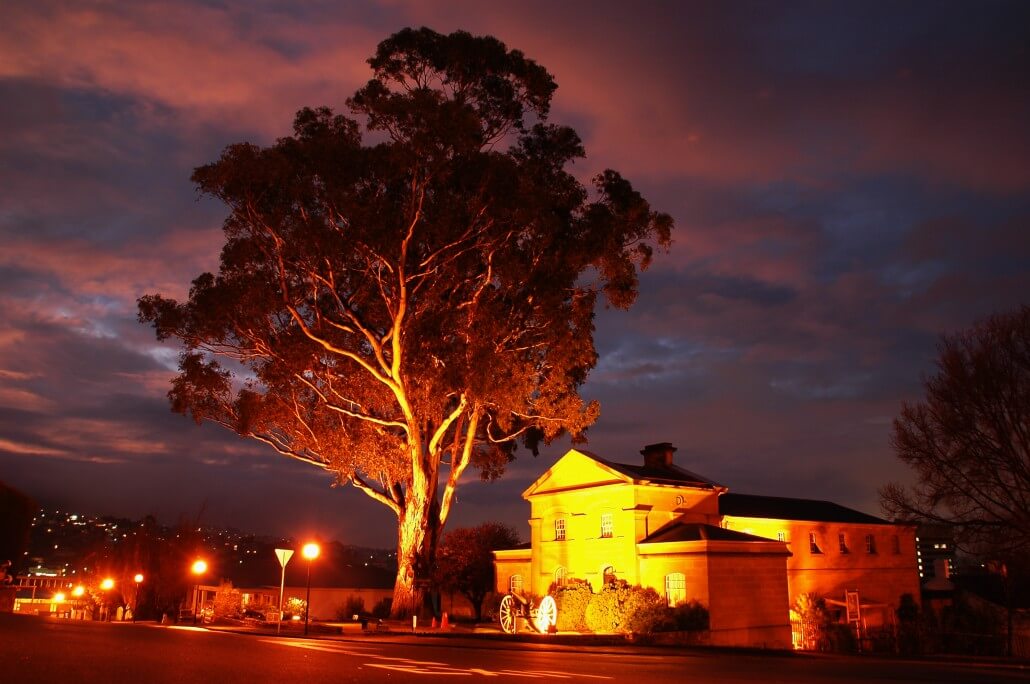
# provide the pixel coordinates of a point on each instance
(691, 616)
(382, 609)
(228, 602)
(641, 610)
(604, 612)
(354, 605)
(572, 600)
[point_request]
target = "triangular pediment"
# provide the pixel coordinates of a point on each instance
(575, 470)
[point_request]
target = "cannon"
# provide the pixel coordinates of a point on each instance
(515, 607)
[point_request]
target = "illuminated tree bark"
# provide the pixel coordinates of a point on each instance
(396, 312)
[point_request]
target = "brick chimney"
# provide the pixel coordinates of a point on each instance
(658, 455)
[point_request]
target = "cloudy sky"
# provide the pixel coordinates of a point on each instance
(848, 182)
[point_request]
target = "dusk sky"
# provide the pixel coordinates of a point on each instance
(848, 181)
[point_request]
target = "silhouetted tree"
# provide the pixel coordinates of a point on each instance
(968, 441)
(396, 310)
(465, 561)
(16, 511)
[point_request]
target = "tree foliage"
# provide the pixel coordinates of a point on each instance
(968, 440)
(410, 291)
(16, 511)
(465, 561)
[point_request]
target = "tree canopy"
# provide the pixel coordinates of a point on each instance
(968, 440)
(410, 291)
(465, 562)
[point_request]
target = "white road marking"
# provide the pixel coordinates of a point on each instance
(413, 670)
(428, 667)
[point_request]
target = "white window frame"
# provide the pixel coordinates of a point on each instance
(675, 589)
(559, 529)
(561, 575)
(870, 543)
(515, 584)
(607, 526)
(842, 542)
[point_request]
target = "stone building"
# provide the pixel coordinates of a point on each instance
(746, 558)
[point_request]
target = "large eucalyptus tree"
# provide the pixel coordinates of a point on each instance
(410, 291)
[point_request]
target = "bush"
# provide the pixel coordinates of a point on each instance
(572, 600)
(382, 609)
(228, 602)
(604, 612)
(354, 605)
(641, 611)
(691, 616)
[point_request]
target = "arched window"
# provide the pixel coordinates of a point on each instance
(675, 588)
(515, 584)
(608, 574)
(560, 575)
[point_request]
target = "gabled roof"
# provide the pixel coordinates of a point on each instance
(782, 508)
(641, 474)
(678, 531)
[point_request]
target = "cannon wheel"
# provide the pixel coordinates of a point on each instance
(506, 614)
(546, 614)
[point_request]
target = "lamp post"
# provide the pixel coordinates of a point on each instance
(107, 584)
(310, 551)
(78, 592)
(198, 568)
(138, 579)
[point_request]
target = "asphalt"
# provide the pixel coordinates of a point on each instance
(488, 636)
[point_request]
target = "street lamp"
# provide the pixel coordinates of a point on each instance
(107, 584)
(138, 579)
(198, 568)
(310, 551)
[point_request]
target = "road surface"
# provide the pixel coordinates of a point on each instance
(35, 649)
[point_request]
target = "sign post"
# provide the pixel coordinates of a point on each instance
(853, 607)
(284, 556)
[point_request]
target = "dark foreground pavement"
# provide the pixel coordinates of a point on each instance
(34, 649)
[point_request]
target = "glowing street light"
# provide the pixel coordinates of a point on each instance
(198, 568)
(78, 591)
(138, 579)
(107, 584)
(59, 597)
(310, 551)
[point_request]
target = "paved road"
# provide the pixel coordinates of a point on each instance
(49, 650)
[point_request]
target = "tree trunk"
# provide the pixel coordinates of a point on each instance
(418, 529)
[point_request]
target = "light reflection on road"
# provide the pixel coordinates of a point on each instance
(427, 667)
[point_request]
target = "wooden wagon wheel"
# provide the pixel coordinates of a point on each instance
(546, 614)
(506, 614)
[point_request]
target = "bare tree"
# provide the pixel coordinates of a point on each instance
(968, 441)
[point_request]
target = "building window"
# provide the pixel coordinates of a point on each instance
(559, 529)
(608, 575)
(842, 541)
(870, 544)
(515, 584)
(813, 543)
(606, 525)
(560, 576)
(781, 536)
(675, 588)
(896, 544)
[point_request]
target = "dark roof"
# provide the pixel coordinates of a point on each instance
(677, 531)
(782, 508)
(661, 475)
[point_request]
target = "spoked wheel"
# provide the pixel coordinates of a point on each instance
(546, 614)
(506, 614)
